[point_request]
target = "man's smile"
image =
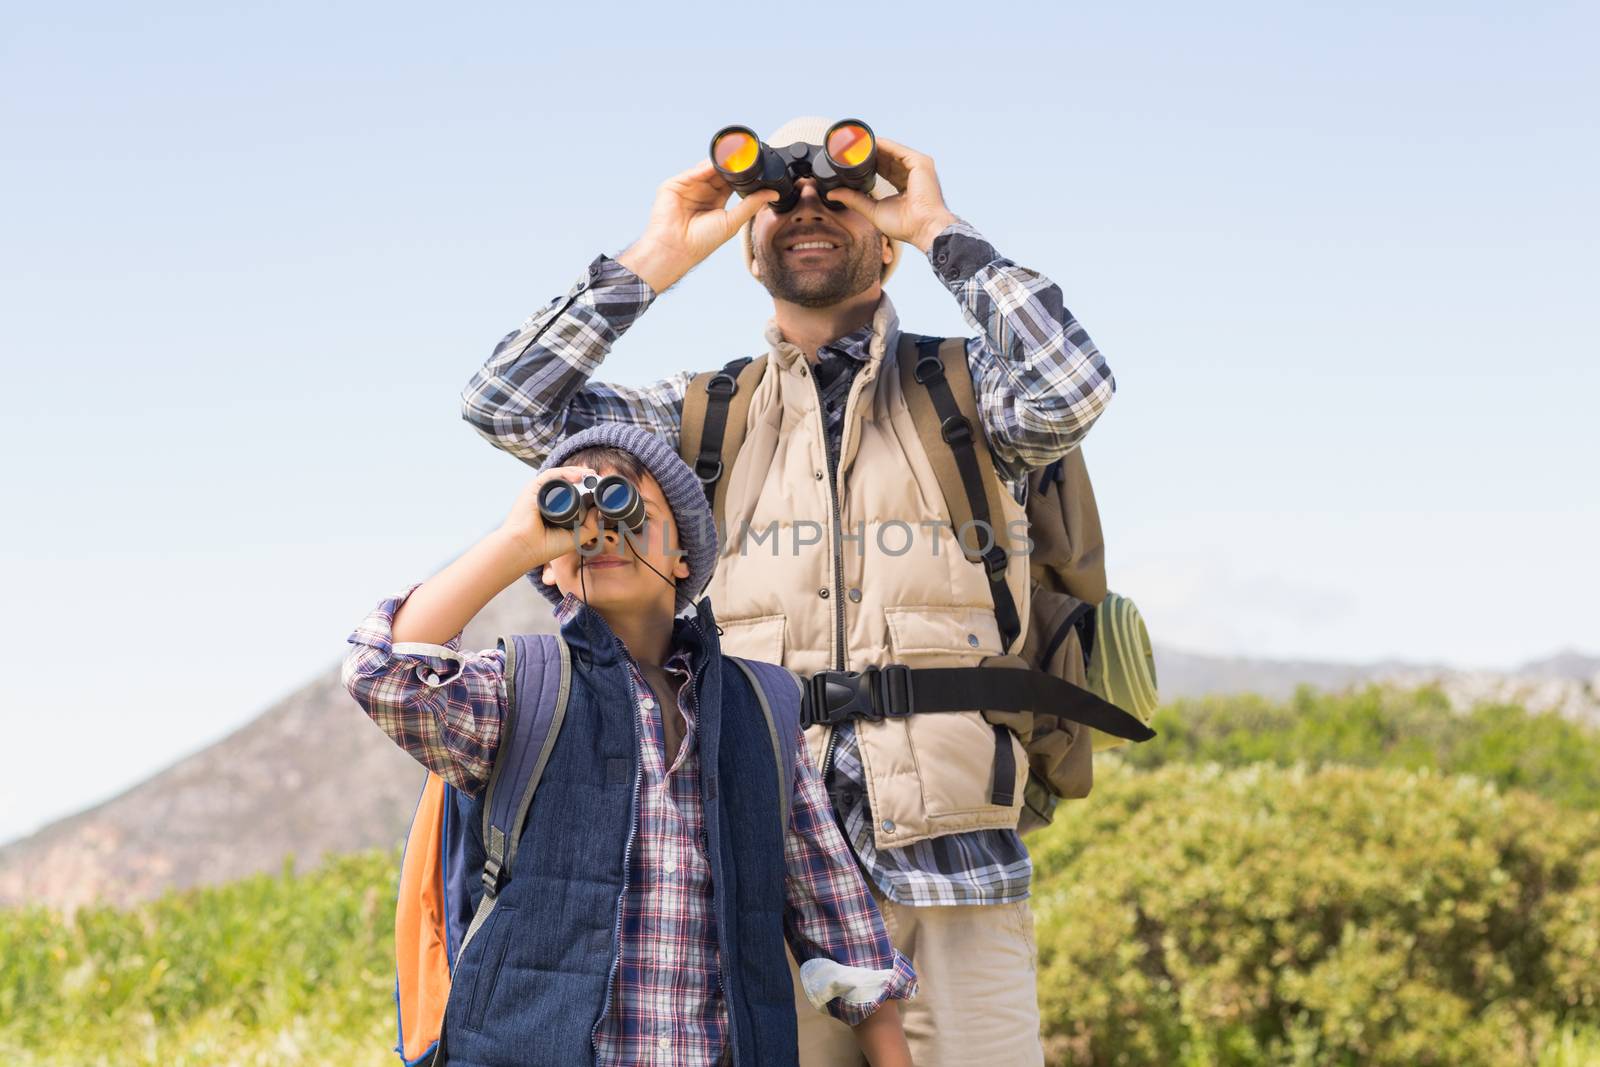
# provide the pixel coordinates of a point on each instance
(812, 241)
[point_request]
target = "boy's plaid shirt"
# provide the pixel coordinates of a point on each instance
(445, 707)
(1040, 382)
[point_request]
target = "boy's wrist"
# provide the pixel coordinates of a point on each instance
(881, 1037)
(514, 553)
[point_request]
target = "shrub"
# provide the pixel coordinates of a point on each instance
(1383, 727)
(1290, 917)
(1187, 916)
(270, 970)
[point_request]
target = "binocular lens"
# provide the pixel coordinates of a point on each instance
(735, 150)
(560, 496)
(560, 503)
(615, 497)
(850, 144)
(619, 502)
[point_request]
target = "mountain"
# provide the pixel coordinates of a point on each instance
(1567, 683)
(312, 776)
(1570, 665)
(1191, 674)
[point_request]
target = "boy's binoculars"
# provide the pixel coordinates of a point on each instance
(564, 504)
(847, 156)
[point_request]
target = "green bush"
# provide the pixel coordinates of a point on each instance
(1187, 916)
(1286, 917)
(267, 970)
(1383, 727)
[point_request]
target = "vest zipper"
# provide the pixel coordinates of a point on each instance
(838, 554)
(633, 832)
(705, 842)
(838, 527)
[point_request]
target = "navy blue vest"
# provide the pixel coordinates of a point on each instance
(530, 988)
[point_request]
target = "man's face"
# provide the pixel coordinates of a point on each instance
(815, 256)
(607, 571)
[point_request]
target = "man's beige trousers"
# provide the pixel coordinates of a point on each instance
(977, 1004)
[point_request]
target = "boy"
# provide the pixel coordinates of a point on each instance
(611, 942)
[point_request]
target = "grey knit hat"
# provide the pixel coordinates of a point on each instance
(691, 514)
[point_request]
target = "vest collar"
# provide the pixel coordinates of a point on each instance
(585, 629)
(885, 335)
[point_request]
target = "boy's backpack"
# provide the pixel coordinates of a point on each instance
(434, 916)
(1077, 633)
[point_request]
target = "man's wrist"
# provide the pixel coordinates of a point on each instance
(657, 267)
(931, 229)
(958, 253)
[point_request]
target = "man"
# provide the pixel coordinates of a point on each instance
(830, 446)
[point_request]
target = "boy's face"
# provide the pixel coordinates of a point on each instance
(607, 572)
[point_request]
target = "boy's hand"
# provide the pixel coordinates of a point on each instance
(441, 606)
(525, 527)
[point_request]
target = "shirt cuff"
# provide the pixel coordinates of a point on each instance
(851, 994)
(435, 664)
(615, 293)
(959, 253)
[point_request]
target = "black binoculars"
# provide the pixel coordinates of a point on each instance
(848, 157)
(564, 504)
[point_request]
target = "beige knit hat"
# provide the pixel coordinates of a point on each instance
(811, 130)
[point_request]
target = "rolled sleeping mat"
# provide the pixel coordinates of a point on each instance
(1122, 664)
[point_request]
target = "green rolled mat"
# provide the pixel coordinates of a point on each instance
(1122, 667)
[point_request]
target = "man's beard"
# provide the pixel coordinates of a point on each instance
(819, 289)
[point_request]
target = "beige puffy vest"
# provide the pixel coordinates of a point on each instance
(790, 590)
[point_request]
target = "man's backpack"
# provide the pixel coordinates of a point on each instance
(434, 916)
(1077, 633)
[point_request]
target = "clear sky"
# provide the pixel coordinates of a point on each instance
(1338, 257)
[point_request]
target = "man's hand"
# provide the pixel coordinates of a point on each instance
(917, 213)
(689, 221)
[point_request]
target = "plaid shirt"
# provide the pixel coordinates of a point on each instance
(445, 708)
(1040, 383)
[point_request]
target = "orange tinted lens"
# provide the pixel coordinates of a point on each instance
(735, 151)
(849, 144)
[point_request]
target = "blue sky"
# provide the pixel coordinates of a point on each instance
(1337, 258)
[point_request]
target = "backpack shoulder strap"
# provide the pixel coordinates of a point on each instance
(539, 664)
(715, 407)
(778, 691)
(938, 389)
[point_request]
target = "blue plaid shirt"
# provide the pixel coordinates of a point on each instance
(1040, 384)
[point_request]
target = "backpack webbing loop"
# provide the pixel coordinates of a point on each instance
(713, 426)
(720, 389)
(1004, 789)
